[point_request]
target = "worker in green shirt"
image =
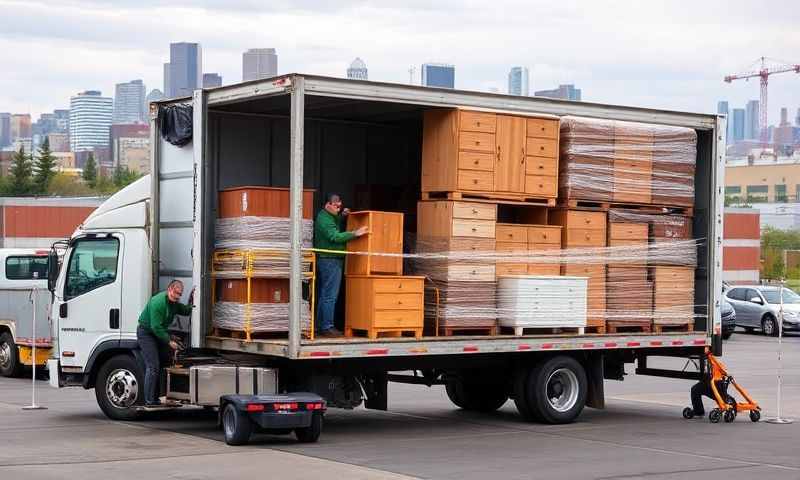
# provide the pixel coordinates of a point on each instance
(329, 235)
(154, 340)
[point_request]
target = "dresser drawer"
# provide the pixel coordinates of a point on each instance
(398, 301)
(476, 161)
(542, 128)
(547, 166)
(474, 211)
(585, 237)
(541, 147)
(542, 234)
(511, 269)
(627, 231)
(477, 121)
(511, 233)
(580, 219)
(475, 180)
(540, 185)
(473, 228)
(397, 285)
(468, 245)
(552, 270)
(476, 142)
(398, 318)
(595, 273)
(470, 273)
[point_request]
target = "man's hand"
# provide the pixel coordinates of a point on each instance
(173, 345)
(361, 231)
(191, 297)
(345, 212)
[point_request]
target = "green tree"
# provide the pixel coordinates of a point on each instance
(68, 186)
(43, 167)
(90, 171)
(21, 174)
(124, 176)
(104, 185)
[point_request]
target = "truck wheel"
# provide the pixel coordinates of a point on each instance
(120, 388)
(475, 396)
(557, 390)
(236, 425)
(311, 433)
(521, 396)
(10, 365)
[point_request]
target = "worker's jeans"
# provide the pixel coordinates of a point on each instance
(701, 389)
(329, 274)
(154, 353)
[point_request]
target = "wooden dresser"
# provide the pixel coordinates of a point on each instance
(261, 202)
(521, 240)
(385, 236)
(384, 305)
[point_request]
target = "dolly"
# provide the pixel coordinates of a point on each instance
(727, 406)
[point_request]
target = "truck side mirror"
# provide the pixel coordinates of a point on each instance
(52, 269)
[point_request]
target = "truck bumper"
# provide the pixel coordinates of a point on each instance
(26, 355)
(281, 421)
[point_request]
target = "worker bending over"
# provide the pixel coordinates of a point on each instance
(329, 235)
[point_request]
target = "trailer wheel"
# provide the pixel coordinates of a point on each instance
(521, 395)
(10, 365)
(556, 390)
(120, 388)
(236, 426)
(311, 433)
(475, 396)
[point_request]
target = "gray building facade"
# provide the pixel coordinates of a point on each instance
(129, 103)
(5, 129)
(563, 92)
(738, 121)
(259, 63)
(438, 75)
(211, 80)
(90, 116)
(183, 74)
(358, 70)
(519, 81)
(752, 130)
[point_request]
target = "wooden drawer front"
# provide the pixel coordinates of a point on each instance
(627, 231)
(541, 128)
(541, 148)
(579, 219)
(677, 276)
(547, 166)
(539, 185)
(398, 318)
(585, 237)
(596, 273)
(470, 273)
(641, 244)
(544, 269)
(476, 161)
(544, 234)
(520, 248)
(473, 228)
(511, 269)
(512, 233)
(476, 142)
(475, 180)
(470, 245)
(477, 122)
(474, 211)
(398, 301)
(397, 285)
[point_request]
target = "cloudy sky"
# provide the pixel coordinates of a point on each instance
(658, 53)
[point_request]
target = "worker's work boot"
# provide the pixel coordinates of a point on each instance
(330, 333)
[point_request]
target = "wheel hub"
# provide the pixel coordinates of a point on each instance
(562, 389)
(5, 355)
(122, 389)
(229, 422)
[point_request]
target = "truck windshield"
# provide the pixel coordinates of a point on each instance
(773, 296)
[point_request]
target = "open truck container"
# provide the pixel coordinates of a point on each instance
(302, 131)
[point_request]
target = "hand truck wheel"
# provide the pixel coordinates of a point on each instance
(715, 416)
(755, 415)
(688, 413)
(729, 416)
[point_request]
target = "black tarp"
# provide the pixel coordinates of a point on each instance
(176, 124)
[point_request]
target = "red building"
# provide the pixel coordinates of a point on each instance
(31, 222)
(741, 245)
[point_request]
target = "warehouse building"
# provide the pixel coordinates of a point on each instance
(32, 222)
(741, 245)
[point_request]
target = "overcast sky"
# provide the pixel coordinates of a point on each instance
(665, 54)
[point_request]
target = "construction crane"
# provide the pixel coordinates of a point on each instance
(766, 69)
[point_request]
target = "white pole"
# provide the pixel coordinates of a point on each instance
(33, 405)
(779, 419)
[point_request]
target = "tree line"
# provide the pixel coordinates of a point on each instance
(37, 176)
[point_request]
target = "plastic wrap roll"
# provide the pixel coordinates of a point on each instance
(259, 232)
(257, 317)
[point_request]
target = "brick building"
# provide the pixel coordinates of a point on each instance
(33, 222)
(741, 245)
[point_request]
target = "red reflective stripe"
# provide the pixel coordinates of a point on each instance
(656, 343)
(470, 348)
(699, 342)
(524, 346)
(611, 345)
(546, 346)
(677, 342)
(319, 354)
(588, 345)
(633, 344)
(378, 351)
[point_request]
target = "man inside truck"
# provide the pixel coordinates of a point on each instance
(330, 237)
(154, 340)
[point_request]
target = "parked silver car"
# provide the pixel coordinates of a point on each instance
(758, 306)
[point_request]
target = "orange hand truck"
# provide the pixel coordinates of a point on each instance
(727, 406)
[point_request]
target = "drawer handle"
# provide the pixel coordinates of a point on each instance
(475, 181)
(541, 167)
(476, 162)
(588, 221)
(474, 211)
(588, 237)
(477, 124)
(541, 148)
(474, 229)
(541, 186)
(399, 286)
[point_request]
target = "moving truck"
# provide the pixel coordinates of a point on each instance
(303, 131)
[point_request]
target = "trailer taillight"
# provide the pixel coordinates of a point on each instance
(254, 407)
(314, 406)
(284, 406)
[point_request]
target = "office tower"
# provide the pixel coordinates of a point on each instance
(154, 96)
(5, 129)
(129, 106)
(357, 70)
(723, 109)
(59, 142)
(89, 120)
(438, 75)
(563, 92)
(518, 81)
(259, 63)
(211, 80)
(738, 131)
(20, 126)
(751, 122)
(797, 118)
(183, 73)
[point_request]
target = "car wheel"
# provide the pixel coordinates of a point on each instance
(769, 326)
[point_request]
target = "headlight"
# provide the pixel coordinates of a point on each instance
(790, 314)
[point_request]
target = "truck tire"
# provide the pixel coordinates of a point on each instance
(311, 433)
(236, 426)
(119, 388)
(556, 390)
(10, 365)
(475, 396)
(521, 396)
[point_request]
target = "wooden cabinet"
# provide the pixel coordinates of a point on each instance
(385, 236)
(384, 305)
(262, 290)
(448, 219)
(631, 242)
(501, 155)
(521, 241)
(629, 296)
(261, 202)
(673, 296)
(543, 238)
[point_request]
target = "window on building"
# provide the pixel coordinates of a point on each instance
(733, 195)
(737, 190)
(757, 193)
(26, 268)
(780, 193)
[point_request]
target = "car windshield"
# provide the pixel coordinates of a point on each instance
(773, 296)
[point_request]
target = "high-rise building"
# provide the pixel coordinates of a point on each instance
(752, 130)
(722, 109)
(20, 125)
(259, 63)
(357, 70)
(563, 92)
(129, 104)
(738, 124)
(518, 81)
(130, 147)
(154, 96)
(438, 75)
(797, 118)
(89, 120)
(5, 129)
(59, 142)
(184, 72)
(211, 80)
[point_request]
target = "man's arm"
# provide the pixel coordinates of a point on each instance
(157, 314)
(331, 232)
(184, 309)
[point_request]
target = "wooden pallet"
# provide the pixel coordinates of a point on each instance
(630, 327)
(456, 331)
(682, 327)
(519, 331)
(573, 203)
(374, 333)
(490, 197)
(598, 329)
(241, 334)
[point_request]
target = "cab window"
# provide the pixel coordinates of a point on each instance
(26, 267)
(93, 263)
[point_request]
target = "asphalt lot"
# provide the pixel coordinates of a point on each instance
(640, 435)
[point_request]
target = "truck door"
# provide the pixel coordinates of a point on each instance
(88, 299)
